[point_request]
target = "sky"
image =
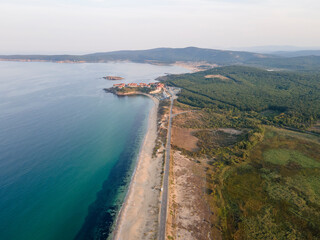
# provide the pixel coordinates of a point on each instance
(86, 26)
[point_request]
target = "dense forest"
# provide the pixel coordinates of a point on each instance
(282, 98)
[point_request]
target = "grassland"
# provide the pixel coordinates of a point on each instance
(274, 194)
(262, 180)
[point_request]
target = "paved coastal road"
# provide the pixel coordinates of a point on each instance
(164, 200)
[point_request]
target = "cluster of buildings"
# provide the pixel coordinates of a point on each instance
(158, 85)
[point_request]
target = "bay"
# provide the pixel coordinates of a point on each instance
(67, 148)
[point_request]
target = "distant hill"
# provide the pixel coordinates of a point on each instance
(275, 48)
(189, 54)
(297, 53)
(159, 55)
(171, 55)
(303, 63)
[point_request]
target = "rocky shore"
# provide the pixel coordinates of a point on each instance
(114, 78)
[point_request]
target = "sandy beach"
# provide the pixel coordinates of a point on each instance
(138, 218)
(194, 66)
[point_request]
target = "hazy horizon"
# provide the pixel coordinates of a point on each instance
(87, 26)
(258, 49)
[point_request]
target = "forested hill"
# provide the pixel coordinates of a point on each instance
(159, 55)
(297, 53)
(301, 63)
(189, 54)
(171, 55)
(287, 98)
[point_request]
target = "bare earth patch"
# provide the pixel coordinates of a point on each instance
(189, 214)
(231, 131)
(183, 120)
(183, 138)
(217, 76)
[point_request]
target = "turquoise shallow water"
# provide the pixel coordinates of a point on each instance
(67, 148)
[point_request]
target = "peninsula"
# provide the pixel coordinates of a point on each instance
(123, 89)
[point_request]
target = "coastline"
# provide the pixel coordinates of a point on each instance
(194, 66)
(191, 66)
(133, 220)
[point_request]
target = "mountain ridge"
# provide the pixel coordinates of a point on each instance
(188, 54)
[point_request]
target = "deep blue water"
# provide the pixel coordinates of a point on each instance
(67, 148)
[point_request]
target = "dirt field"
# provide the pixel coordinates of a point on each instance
(183, 138)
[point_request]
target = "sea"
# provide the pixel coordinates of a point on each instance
(67, 148)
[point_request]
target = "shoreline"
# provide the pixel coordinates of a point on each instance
(191, 66)
(124, 227)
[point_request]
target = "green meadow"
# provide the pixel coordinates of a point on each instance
(275, 194)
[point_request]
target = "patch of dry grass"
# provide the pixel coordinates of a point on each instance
(184, 138)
